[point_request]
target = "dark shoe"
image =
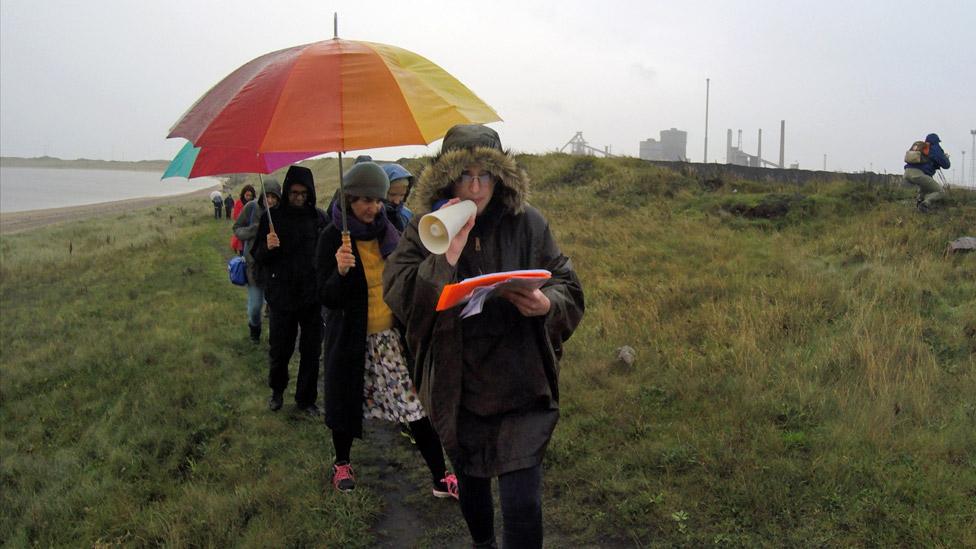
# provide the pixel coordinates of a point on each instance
(255, 333)
(923, 207)
(275, 402)
(487, 544)
(342, 477)
(311, 410)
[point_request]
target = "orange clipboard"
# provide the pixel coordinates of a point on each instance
(460, 292)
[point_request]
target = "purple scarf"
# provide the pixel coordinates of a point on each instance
(380, 228)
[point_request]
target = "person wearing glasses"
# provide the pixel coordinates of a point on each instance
(489, 382)
(284, 251)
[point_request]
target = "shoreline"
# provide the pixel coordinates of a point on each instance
(15, 222)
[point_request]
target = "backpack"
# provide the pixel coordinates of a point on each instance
(237, 270)
(918, 153)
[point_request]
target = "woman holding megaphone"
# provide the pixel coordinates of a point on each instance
(366, 372)
(488, 381)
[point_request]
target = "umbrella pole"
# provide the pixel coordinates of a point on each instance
(267, 208)
(342, 198)
(346, 240)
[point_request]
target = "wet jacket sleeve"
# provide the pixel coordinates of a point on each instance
(412, 282)
(262, 255)
(244, 230)
(937, 155)
(564, 291)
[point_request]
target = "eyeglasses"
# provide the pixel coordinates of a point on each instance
(483, 179)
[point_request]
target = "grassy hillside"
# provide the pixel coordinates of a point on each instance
(83, 164)
(805, 376)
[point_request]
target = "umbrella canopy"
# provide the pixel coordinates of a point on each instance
(198, 162)
(334, 95)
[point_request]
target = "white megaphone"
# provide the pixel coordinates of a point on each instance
(437, 229)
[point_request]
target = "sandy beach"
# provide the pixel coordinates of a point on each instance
(21, 221)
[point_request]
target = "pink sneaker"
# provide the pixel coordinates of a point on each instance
(447, 487)
(342, 477)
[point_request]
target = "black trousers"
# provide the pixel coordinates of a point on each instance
(283, 329)
(521, 495)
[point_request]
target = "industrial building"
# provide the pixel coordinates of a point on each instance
(672, 147)
(735, 155)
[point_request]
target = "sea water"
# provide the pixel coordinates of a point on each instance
(24, 189)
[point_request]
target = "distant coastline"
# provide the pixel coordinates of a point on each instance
(83, 164)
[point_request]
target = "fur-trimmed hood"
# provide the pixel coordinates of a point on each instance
(436, 181)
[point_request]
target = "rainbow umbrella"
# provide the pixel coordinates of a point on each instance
(331, 96)
(198, 162)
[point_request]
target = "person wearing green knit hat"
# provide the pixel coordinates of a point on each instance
(366, 369)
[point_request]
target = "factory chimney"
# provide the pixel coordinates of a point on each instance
(728, 147)
(782, 143)
(759, 151)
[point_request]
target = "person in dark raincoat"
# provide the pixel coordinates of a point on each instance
(228, 206)
(286, 260)
(366, 371)
(489, 381)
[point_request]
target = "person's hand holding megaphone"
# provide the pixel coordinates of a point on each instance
(453, 252)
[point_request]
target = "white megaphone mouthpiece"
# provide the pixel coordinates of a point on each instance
(437, 229)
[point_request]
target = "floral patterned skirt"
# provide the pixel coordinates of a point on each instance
(388, 391)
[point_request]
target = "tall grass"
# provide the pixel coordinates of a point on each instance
(804, 377)
(132, 406)
(802, 380)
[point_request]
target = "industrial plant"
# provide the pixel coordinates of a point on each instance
(672, 147)
(736, 156)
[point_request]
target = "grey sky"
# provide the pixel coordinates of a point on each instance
(858, 81)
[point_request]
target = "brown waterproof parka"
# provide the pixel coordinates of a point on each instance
(489, 382)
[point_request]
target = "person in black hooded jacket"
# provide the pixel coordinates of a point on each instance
(284, 251)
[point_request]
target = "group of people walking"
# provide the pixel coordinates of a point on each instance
(224, 207)
(483, 389)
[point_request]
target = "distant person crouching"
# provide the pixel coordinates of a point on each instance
(921, 174)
